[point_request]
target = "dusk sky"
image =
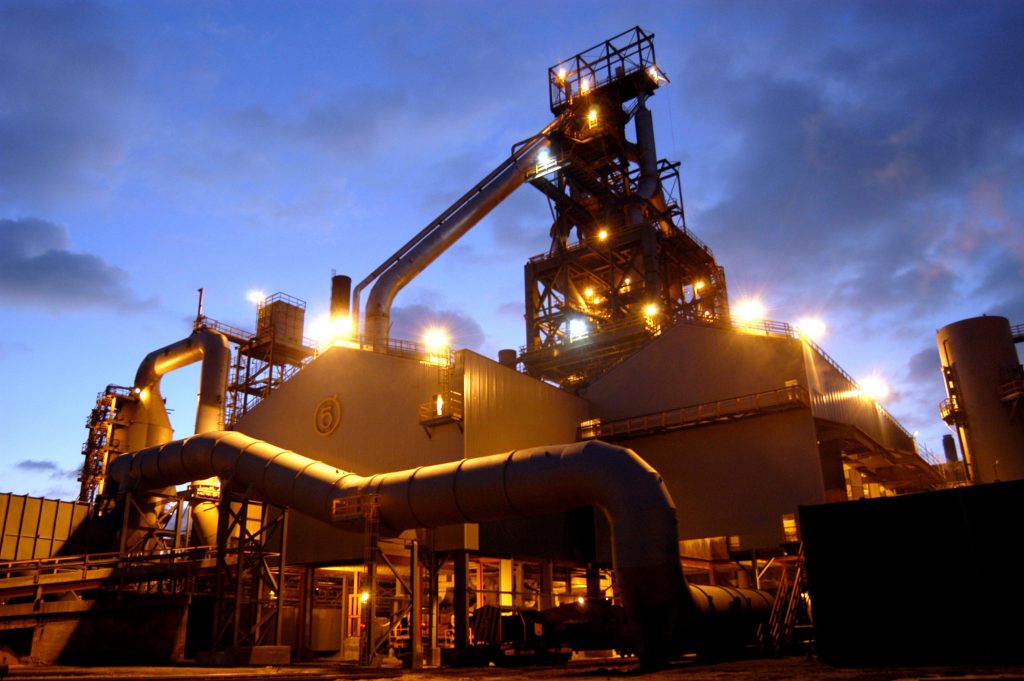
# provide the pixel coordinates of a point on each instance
(856, 160)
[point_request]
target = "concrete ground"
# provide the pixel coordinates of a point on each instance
(765, 669)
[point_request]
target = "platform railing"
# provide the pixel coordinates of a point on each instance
(39, 568)
(754, 403)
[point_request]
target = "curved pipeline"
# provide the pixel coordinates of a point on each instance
(445, 230)
(206, 345)
(151, 426)
(521, 483)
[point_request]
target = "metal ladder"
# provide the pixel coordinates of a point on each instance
(777, 632)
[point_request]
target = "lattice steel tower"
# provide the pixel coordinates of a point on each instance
(622, 265)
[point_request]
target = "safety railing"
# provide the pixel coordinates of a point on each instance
(783, 329)
(239, 335)
(733, 407)
(1012, 389)
(80, 565)
(445, 407)
(395, 347)
(948, 410)
(627, 53)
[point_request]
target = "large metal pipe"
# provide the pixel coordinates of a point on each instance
(399, 269)
(206, 345)
(151, 426)
(522, 483)
(649, 188)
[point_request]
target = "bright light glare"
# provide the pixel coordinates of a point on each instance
(811, 327)
(592, 116)
(341, 327)
(579, 599)
(326, 331)
(255, 297)
(748, 310)
(438, 346)
(588, 292)
(584, 86)
(874, 388)
(577, 328)
(319, 329)
(561, 73)
(650, 309)
(544, 157)
(698, 285)
(436, 339)
(602, 235)
(364, 597)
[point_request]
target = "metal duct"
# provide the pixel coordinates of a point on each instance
(649, 188)
(521, 483)
(445, 230)
(151, 425)
(206, 345)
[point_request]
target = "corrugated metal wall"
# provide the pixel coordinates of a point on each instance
(690, 364)
(507, 410)
(34, 527)
(834, 397)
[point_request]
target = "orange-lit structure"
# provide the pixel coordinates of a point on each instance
(729, 426)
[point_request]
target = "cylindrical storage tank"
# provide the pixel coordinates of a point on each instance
(979, 358)
(341, 294)
(507, 358)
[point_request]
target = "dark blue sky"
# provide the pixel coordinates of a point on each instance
(862, 161)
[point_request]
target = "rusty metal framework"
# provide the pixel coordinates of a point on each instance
(622, 265)
(249, 573)
(265, 359)
(107, 439)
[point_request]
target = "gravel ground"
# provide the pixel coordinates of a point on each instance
(765, 669)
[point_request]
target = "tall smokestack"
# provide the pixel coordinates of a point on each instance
(341, 290)
(949, 447)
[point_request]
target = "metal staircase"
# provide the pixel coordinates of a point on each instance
(777, 634)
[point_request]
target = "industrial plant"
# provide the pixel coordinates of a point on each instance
(651, 475)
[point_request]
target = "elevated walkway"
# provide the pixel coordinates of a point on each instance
(708, 413)
(35, 579)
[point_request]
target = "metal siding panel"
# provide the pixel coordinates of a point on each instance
(30, 528)
(5, 502)
(45, 533)
(508, 410)
(689, 365)
(78, 529)
(835, 399)
(12, 527)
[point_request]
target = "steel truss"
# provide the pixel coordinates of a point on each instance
(622, 265)
(250, 572)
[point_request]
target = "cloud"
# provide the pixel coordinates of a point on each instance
(925, 365)
(64, 90)
(411, 321)
(14, 349)
(832, 146)
(36, 465)
(511, 309)
(37, 269)
(44, 466)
